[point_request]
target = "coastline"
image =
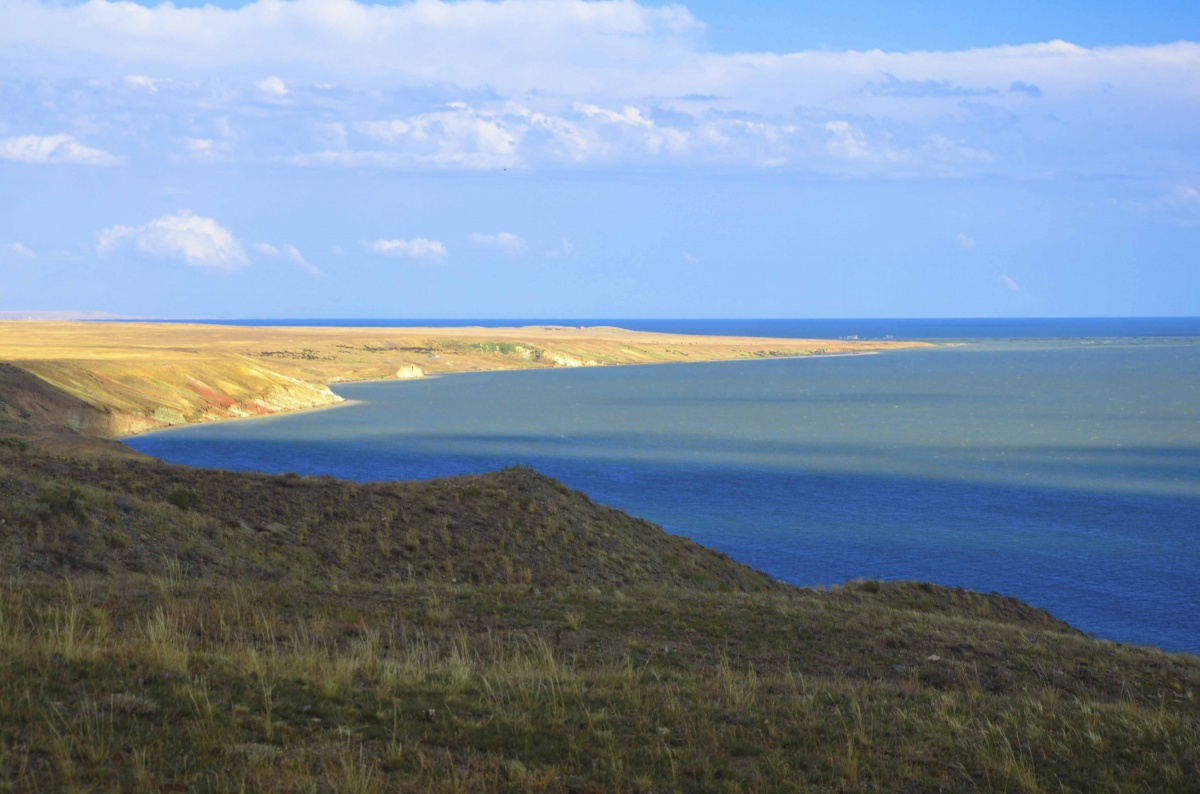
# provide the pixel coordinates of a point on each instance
(117, 380)
(343, 402)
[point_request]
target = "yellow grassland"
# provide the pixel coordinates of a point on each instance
(125, 378)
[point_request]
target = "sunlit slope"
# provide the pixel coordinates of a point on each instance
(124, 378)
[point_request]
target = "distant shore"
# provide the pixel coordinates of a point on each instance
(116, 379)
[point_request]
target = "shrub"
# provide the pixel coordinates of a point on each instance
(184, 498)
(63, 499)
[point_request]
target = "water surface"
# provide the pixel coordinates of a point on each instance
(1064, 472)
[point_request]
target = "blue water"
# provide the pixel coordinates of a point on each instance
(1062, 471)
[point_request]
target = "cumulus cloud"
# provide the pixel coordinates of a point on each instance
(21, 250)
(199, 241)
(53, 149)
(142, 81)
(531, 83)
(272, 86)
(1010, 284)
(690, 259)
(289, 252)
(200, 148)
(457, 136)
(504, 240)
(416, 248)
(964, 241)
(847, 141)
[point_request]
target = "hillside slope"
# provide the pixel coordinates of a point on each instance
(164, 628)
(114, 516)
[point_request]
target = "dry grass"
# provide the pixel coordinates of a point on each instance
(114, 379)
(261, 639)
(283, 687)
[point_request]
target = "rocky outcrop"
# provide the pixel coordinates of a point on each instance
(409, 372)
(563, 360)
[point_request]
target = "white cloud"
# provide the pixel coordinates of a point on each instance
(964, 241)
(416, 248)
(512, 134)
(21, 250)
(503, 240)
(290, 253)
(1010, 284)
(142, 81)
(53, 149)
(199, 241)
(629, 115)
(595, 83)
(691, 260)
(273, 86)
(847, 141)
(456, 137)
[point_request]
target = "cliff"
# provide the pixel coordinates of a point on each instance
(114, 399)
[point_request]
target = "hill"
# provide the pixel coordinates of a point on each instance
(166, 628)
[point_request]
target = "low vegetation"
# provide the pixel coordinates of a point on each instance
(165, 628)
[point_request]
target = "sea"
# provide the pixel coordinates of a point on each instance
(1055, 460)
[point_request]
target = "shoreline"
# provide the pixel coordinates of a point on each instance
(120, 379)
(344, 402)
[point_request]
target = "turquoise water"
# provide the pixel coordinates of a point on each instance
(1064, 472)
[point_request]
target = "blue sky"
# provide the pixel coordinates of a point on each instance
(523, 158)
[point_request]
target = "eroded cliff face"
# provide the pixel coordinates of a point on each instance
(97, 400)
(565, 360)
(409, 372)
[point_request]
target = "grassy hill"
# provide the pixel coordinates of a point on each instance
(166, 628)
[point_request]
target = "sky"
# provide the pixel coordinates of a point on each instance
(600, 158)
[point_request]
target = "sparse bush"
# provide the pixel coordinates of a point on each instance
(63, 499)
(184, 498)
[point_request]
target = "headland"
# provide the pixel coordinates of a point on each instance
(113, 379)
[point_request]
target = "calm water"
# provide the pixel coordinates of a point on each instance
(1064, 472)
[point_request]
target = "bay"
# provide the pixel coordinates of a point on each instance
(1065, 472)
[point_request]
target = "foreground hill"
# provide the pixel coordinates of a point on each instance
(164, 628)
(117, 516)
